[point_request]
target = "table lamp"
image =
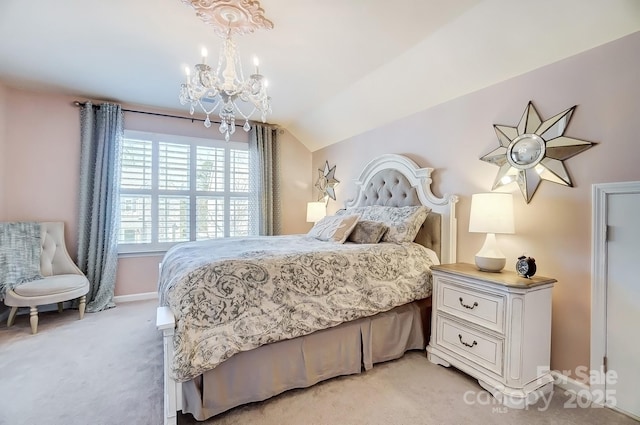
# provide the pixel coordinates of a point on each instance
(316, 211)
(491, 213)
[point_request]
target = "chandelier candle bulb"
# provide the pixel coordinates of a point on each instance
(256, 63)
(187, 71)
(204, 55)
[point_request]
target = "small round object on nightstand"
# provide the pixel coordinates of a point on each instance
(526, 266)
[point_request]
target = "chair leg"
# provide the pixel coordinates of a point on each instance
(59, 307)
(33, 313)
(12, 316)
(83, 303)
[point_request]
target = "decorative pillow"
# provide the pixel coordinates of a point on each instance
(334, 228)
(367, 232)
(403, 222)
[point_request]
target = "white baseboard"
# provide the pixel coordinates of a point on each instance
(135, 297)
(570, 384)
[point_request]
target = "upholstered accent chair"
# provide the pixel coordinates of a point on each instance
(61, 279)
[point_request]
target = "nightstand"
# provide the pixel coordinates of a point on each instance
(495, 327)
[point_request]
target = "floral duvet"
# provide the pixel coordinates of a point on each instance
(235, 294)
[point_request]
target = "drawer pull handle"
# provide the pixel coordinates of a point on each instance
(470, 307)
(466, 344)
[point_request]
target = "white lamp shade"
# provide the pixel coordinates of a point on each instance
(316, 211)
(491, 213)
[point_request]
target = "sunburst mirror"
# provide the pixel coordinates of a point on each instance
(327, 182)
(534, 150)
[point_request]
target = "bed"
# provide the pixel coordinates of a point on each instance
(279, 340)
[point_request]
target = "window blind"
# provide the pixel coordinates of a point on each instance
(177, 189)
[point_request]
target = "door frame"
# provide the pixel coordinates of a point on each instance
(599, 197)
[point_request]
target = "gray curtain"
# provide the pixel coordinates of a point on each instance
(101, 141)
(264, 208)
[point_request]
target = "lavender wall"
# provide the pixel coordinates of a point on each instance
(555, 227)
(42, 149)
(39, 159)
(3, 156)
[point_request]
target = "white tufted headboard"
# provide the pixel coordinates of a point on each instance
(396, 180)
(54, 258)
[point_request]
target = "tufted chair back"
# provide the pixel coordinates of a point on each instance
(54, 258)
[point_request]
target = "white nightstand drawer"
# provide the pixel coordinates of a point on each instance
(483, 349)
(482, 308)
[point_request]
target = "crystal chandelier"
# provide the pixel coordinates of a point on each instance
(225, 89)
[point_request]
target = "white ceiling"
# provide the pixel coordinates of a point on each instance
(336, 68)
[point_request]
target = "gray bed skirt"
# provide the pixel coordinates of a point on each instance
(346, 349)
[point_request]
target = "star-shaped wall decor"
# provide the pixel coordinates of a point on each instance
(534, 150)
(327, 182)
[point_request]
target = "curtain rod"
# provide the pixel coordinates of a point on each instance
(78, 103)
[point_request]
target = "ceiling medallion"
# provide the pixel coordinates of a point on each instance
(327, 182)
(534, 150)
(231, 17)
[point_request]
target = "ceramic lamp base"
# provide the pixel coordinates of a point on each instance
(493, 265)
(490, 258)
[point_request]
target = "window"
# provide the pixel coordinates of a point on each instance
(176, 189)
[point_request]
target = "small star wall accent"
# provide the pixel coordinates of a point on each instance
(327, 182)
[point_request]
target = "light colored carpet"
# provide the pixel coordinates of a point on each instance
(106, 369)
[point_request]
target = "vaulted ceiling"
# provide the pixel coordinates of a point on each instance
(336, 68)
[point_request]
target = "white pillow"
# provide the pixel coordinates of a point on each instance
(334, 228)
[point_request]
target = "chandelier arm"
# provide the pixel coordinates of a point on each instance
(210, 111)
(245, 116)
